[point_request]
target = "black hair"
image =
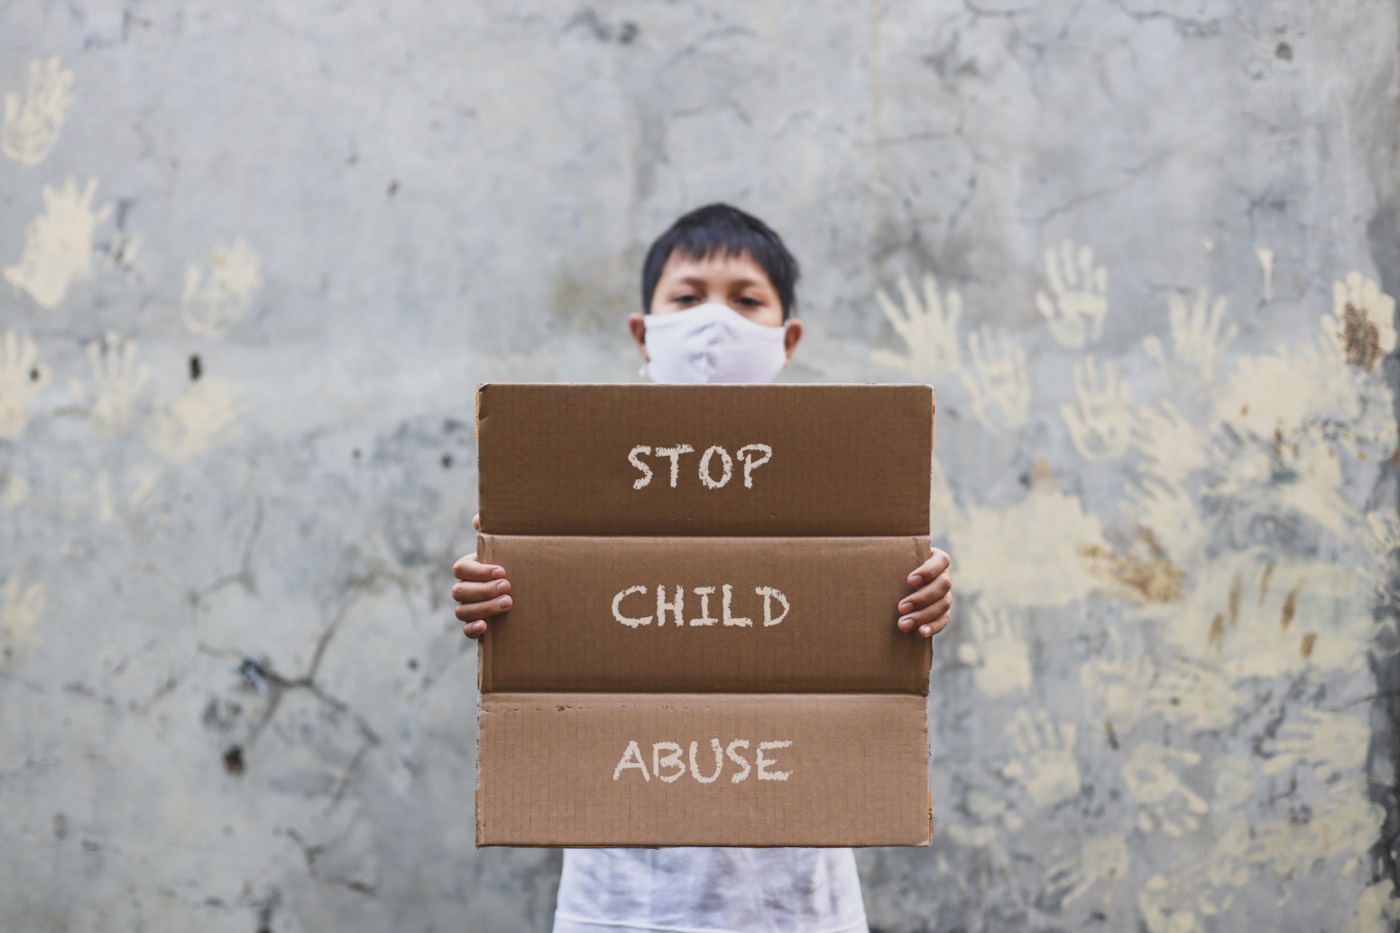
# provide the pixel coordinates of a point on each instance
(721, 229)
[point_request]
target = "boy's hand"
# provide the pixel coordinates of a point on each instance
(930, 606)
(481, 591)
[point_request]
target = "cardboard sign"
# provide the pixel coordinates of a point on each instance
(740, 615)
(702, 647)
(720, 769)
(770, 461)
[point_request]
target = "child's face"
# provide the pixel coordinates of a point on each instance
(736, 281)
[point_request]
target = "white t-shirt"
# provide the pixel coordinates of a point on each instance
(703, 890)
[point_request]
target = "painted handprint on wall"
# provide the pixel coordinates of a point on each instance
(1100, 859)
(117, 381)
(1077, 302)
(981, 822)
(1164, 801)
(20, 609)
(1171, 514)
(1196, 695)
(1332, 744)
(1174, 446)
(1199, 335)
(998, 653)
(1344, 824)
(1196, 887)
(58, 243)
(998, 386)
(219, 297)
(928, 325)
(1045, 763)
(204, 416)
(22, 376)
(1101, 420)
(32, 124)
(1112, 684)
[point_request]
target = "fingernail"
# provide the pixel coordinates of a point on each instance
(498, 572)
(503, 586)
(905, 606)
(913, 578)
(925, 631)
(503, 602)
(905, 622)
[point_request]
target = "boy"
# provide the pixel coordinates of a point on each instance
(717, 302)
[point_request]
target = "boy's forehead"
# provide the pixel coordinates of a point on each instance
(716, 265)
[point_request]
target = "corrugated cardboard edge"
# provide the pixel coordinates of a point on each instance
(933, 419)
(483, 654)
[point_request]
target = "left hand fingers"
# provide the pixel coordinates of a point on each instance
(937, 564)
(930, 620)
(927, 594)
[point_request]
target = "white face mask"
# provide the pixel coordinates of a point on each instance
(712, 343)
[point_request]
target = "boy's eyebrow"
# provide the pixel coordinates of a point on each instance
(697, 282)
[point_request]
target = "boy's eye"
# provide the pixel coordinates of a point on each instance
(683, 299)
(750, 302)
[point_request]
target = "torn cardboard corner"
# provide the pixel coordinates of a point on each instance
(702, 647)
(704, 615)
(769, 460)
(647, 769)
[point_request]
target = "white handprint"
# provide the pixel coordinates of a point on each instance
(1362, 320)
(928, 327)
(1046, 767)
(21, 378)
(999, 654)
(999, 386)
(20, 610)
(195, 422)
(211, 306)
(117, 381)
(981, 822)
(1173, 515)
(58, 243)
(1234, 781)
(1198, 696)
(1199, 337)
(1101, 421)
(1112, 686)
(1103, 858)
(1174, 447)
(1332, 744)
(1164, 906)
(1343, 823)
(1078, 299)
(1164, 801)
(31, 128)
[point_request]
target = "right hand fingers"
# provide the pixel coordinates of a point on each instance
(464, 592)
(469, 568)
(475, 611)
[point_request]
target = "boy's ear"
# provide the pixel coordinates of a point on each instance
(791, 335)
(638, 326)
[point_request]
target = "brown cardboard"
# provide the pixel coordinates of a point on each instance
(806, 615)
(831, 512)
(845, 459)
(855, 773)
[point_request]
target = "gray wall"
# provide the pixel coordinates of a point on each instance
(257, 255)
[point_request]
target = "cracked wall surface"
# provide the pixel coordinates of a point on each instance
(256, 257)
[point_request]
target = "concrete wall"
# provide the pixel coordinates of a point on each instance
(257, 255)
